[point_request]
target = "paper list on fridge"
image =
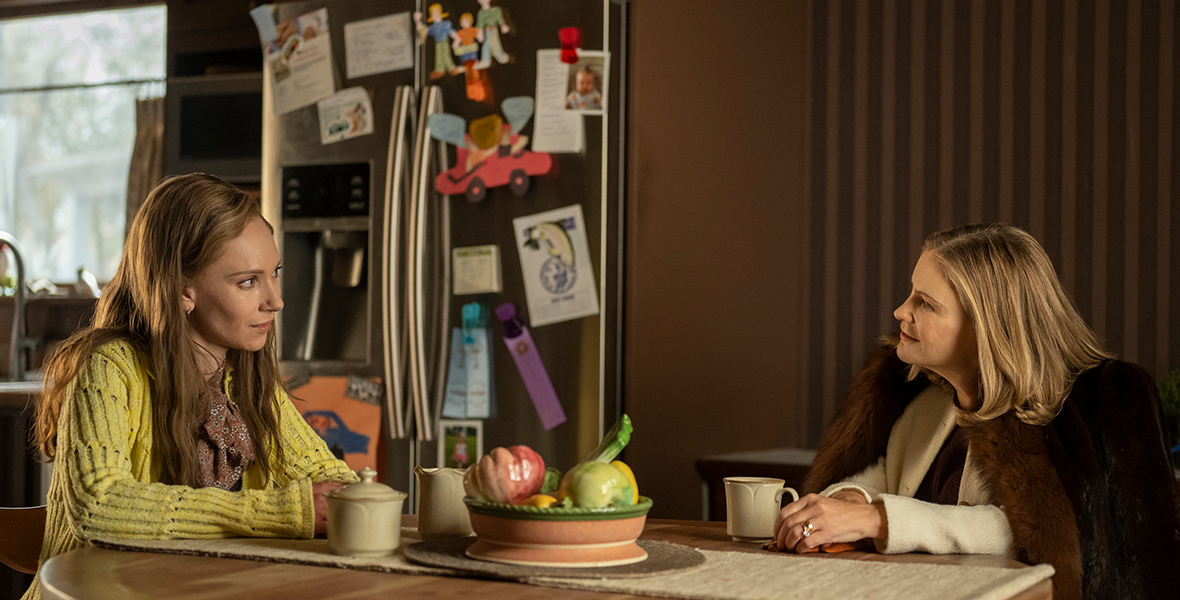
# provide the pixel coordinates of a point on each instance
(554, 128)
(378, 45)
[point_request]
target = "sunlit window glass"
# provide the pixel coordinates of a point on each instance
(68, 86)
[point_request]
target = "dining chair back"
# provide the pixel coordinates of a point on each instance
(22, 531)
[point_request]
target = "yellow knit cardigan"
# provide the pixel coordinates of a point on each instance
(105, 485)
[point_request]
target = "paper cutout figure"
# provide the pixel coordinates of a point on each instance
(491, 21)
(448, 128)
(571, 41)
(517, 110)
(467, 48)
(491, 154)
(444, 34)
(485, 131)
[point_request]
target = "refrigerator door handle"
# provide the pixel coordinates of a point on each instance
(443, 288)
(415, 296)
(395, 183)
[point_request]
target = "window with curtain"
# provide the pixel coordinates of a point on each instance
(68, 90)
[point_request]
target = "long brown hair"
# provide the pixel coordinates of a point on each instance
(181, 229)
(1032, 342)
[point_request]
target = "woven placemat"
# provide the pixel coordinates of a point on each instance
(662, 558)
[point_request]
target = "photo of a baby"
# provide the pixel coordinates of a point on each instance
(586, 85)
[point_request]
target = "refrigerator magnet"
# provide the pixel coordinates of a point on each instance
(492, 22)
(439, 29)
(345, 114)
(476, 270)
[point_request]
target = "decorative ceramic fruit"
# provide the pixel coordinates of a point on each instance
(596, 484)
(507, 475)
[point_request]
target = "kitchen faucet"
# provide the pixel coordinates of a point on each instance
(18, 312)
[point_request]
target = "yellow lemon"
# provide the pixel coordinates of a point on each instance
(539, 500)
(622, 466)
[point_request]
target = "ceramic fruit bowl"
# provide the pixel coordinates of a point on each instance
(557, 536)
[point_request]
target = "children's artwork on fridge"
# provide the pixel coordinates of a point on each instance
(299, 61)
(439, 28)
(378, 45)
(555, 261)
(346, 413)
(345, 114)
(460, 443)
(489, 152)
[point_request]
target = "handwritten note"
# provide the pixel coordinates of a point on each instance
(555, 129)
(378, 45)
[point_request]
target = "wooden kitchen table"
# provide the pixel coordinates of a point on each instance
(97, 574)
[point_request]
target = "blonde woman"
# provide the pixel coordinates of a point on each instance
(166, 418)
(995, 423)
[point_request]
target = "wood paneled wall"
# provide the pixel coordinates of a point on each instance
(1058, 116)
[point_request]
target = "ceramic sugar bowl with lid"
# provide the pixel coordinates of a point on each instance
(365, 518)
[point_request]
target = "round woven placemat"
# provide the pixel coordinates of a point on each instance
(662, 557)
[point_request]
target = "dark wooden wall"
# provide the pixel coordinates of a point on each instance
(1058, 116)
(714, 236)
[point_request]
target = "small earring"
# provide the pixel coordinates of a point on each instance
(189, 312)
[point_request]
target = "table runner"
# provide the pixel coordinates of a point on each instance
(724, 575)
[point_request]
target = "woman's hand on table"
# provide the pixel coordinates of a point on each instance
(318, 489)
(845, 517)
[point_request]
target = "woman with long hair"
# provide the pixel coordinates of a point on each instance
(166, 418)
(995, 423)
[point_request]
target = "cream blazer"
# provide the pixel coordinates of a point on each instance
(975, 526)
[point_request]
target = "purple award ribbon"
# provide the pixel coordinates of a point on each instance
(532, 370)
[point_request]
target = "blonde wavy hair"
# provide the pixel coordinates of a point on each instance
(1032, 342)
(182, 228)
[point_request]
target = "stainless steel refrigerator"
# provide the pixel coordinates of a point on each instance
(366, 240)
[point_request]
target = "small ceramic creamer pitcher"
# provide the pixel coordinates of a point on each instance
(441, 512)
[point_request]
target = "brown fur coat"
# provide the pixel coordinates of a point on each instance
(1092, 493)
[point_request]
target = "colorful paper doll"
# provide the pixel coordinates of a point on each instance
(444, 34)
(491, 20)
(467, 48)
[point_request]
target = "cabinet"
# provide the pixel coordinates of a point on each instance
(213, 110)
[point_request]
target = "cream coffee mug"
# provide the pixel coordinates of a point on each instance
(751, 505)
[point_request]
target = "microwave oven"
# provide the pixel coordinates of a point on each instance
(213, 124)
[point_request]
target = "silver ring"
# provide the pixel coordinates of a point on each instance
(807, 528)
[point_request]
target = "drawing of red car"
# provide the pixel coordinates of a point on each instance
(505, 164)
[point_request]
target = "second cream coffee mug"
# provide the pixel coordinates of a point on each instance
(751, 505)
